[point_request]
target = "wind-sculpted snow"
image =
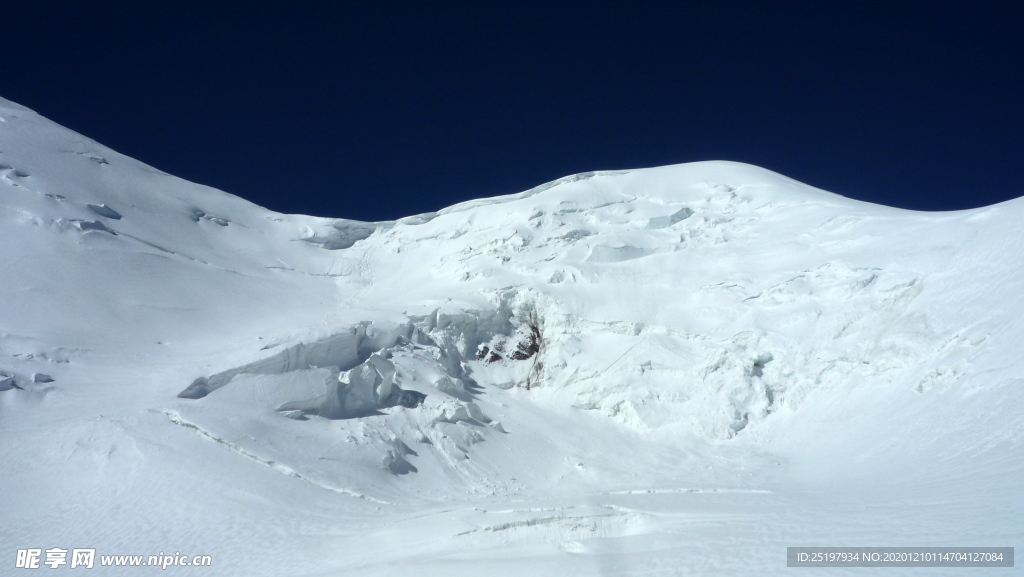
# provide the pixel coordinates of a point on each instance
(342, 234)
(677, 370)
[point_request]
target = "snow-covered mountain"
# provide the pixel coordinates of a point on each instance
(668, 371)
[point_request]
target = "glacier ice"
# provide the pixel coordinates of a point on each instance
(679, 369)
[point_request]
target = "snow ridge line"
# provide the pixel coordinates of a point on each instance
(284, 469)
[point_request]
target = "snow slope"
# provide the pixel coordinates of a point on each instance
(669, 371)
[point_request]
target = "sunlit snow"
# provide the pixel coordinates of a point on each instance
(670, 371)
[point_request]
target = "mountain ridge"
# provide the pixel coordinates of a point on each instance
(573, 370)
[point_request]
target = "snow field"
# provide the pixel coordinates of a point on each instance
(671, 371)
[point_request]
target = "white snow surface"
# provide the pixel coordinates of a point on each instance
(715, 362)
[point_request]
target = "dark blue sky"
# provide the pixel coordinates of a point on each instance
(378, 110)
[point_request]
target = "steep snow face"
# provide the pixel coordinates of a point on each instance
(95, 242)
(608, 351)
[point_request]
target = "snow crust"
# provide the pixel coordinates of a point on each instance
(668, 371)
